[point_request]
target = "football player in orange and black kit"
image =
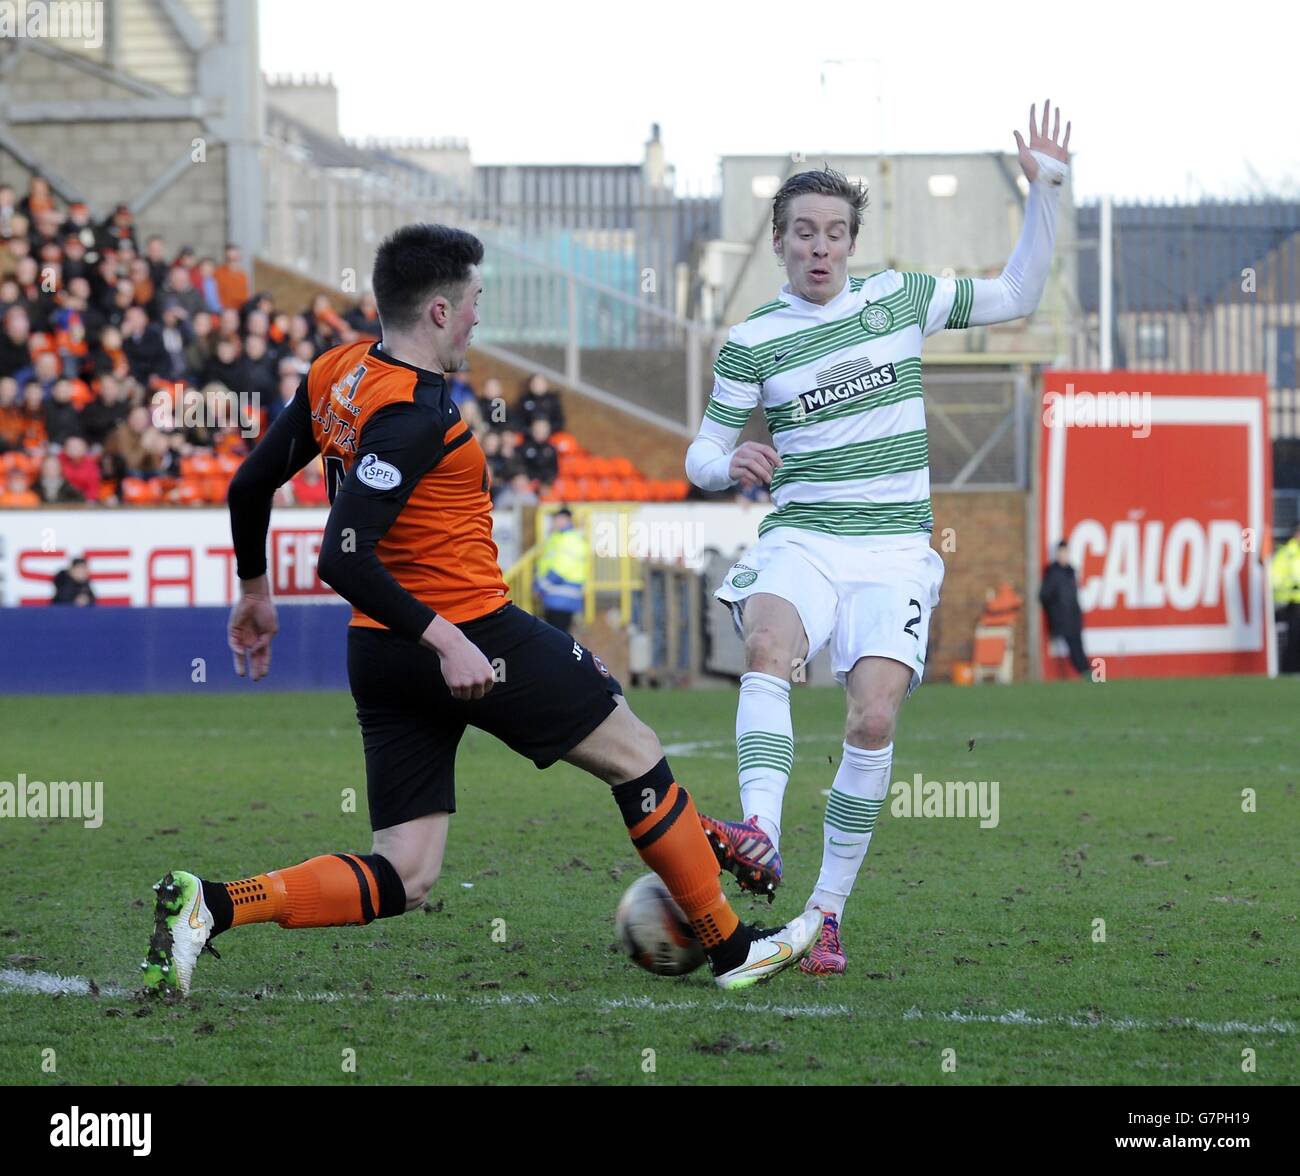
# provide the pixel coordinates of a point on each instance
(408, 544)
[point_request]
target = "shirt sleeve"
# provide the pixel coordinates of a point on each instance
(286, 448)
(737, 391)
(399, 445)
(952, 304)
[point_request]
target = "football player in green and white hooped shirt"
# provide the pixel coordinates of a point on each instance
(845, 556)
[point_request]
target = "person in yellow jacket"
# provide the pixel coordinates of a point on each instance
(1286, 598)
(562, 571)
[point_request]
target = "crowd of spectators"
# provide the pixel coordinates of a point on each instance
(138, 373)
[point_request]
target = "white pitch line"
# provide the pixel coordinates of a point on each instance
(15, 981)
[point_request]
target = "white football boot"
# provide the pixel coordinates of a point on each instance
(773, 949)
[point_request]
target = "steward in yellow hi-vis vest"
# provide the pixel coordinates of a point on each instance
(1286, 599)
(562, 571)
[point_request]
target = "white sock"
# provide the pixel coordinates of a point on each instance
(764, 749)
(859, 791)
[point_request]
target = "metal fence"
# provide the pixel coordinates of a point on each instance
(590, 304)
(1213, 286)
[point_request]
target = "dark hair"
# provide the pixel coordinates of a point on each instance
(416, 262)
(1062, 543)
(823, 182)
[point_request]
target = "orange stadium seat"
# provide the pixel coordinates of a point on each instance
(198, 465)
(214, 488)
(621, 467)
(565, 444)
(188, 492)
(141, 492)
(601, 467)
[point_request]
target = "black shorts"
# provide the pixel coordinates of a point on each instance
(550, 694)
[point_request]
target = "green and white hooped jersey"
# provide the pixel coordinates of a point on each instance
(840, 387)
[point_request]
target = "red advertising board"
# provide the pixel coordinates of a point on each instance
(1162, 486)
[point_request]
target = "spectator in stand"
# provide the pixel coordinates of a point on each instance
(110, 356)
(176, 339)
(146, 294)
(202, 342)
(52, 486)
(232, 280)
(79, 225)
(364, 317)
(75, 259)
(287, 382)
(517, 492)
(8, 210)
(39, 198)
(179, 287)
(36, 298)
(108, 410)
(15, 341)
(539, 401)
(541, 462)
(121, 303)
(228, 324)
(11, 415)
(309, 487)
(62, 420)
(496, 413)
(126, 442)
(262, 376)
(228, 366)
(34, 435)
(257, 322)
(142, 343)
(205, 281)
(117, 234)
(155, 256)
(325, 326)
(506, 463)
(80, 468)
(72, 585)
(18, 495)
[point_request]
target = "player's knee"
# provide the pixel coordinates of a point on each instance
(768, 652)
(870, 726)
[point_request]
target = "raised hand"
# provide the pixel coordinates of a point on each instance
(1040, 140)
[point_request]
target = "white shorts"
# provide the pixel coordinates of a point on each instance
(865, 601)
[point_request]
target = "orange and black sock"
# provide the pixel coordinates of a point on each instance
(334, 890)
(665, 828)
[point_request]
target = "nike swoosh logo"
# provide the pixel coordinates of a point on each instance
(779, 358)
(195, 921)
(782, 953)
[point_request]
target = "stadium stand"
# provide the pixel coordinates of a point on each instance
(141, 374)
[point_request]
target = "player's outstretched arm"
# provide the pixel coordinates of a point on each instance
(1018, 289)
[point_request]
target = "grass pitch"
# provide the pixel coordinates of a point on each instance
(975, 954)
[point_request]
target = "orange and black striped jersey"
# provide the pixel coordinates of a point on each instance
(410, 528)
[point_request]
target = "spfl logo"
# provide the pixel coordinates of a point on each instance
(378, 475)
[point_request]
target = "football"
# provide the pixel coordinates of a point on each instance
(653, 930)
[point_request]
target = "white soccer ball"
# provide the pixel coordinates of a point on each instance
(653, 930)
